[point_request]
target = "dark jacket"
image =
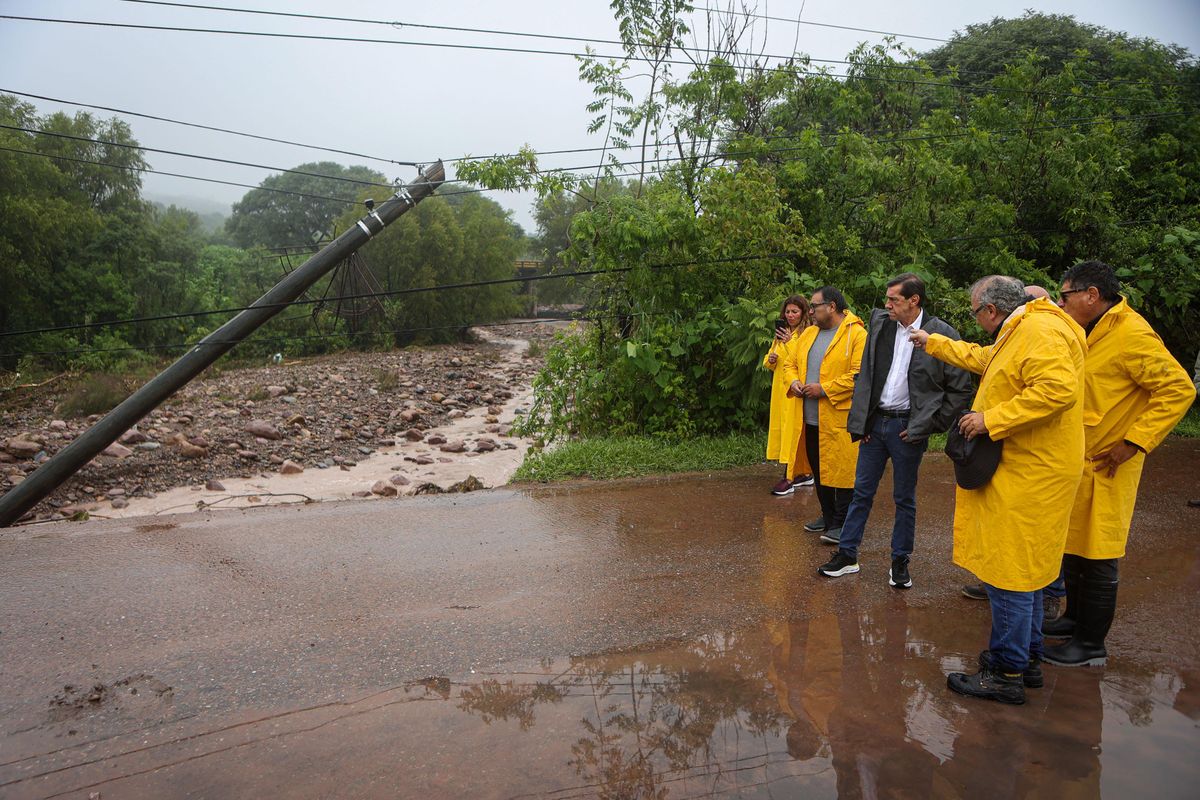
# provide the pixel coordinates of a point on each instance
(937, 392)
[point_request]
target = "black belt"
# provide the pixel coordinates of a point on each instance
(883, 412)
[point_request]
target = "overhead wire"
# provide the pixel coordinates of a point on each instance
(199, 126)
(143, 148)
(493, 48)
(721, 154)
(399, 24)
(148, 170)
(779, 255)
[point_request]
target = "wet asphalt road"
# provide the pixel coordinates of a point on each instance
(651, 638)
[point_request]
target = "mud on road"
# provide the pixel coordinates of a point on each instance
(665, 637)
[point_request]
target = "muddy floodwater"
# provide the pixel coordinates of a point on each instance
(663, 638)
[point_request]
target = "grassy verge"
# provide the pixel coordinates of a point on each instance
(1189, 426)
(626, 457)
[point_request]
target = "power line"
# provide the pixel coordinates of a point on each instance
(387, 293)
(521, 34)
(492, 48)
(130, 146)
(567, 151)
(1071, 123)
(399, 24)
(208, 127)
(175, 175)
(822, 24)
(593, 40)
(528, 279)
(335, 335)
(718, 155)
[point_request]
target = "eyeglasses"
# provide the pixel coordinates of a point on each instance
(1064, 292)
(975, 311)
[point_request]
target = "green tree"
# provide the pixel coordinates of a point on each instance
(300, 206)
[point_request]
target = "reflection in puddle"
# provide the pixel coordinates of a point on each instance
(850, 703)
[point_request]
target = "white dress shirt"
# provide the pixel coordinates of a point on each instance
(895, 388)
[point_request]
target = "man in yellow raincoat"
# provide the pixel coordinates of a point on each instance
(1011, 531)
(821, 371)
(1134, 394)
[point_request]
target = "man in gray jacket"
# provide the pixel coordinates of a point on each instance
(901, 396)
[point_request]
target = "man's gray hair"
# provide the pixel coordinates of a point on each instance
(1003, 292)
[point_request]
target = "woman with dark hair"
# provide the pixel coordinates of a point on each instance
(795, 317)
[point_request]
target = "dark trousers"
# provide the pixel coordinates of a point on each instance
(834, 502)
(885, 444)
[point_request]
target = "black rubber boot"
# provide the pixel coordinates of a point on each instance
(988, 684)
(1032, 677)
(1064, 626)
(1086, 647)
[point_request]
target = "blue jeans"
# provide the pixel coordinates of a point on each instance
(1058, 588)
(1016, 627)
(873, 454)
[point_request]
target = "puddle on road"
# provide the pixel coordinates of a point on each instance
(775, 684)
(846, 705)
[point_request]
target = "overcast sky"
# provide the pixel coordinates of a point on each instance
(405, 102)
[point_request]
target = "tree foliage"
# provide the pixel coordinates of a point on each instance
(78, 244)
(300, 206)
(1021, 147)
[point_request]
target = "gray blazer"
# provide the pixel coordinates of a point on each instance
(937, 392)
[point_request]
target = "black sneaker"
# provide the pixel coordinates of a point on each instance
(1032, 676)
(841, 564)
(989, 684)
(784, 487)
(832, 536)
(975, 591)
(898, 576)
(816, 526)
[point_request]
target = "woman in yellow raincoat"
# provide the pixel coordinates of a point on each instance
(796, 473)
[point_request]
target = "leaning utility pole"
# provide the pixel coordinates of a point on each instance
(50, 475)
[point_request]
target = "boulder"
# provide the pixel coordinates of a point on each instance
(456, 446)
(214, 486)
(133, 436)
(385, 489)
(399, 480)
(262, 429)
(116, 451)
(290, 467)
(414, 435)
(24, 448)
(467, 484)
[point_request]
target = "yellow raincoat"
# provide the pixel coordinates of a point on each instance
(1134, 390)
(839, 367)
(1011, 532)
(782, 407)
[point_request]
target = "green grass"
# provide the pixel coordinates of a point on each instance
(626, 457)
(1189, 426)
